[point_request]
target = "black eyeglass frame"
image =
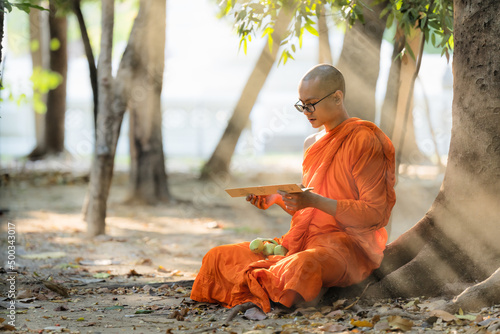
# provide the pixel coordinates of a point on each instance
(302, 107)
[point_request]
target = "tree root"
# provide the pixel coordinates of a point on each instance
(483, 294)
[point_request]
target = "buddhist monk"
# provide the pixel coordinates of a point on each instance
(337, 234)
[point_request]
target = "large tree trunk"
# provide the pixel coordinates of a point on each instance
(53, 139)
(89, 54)
(218, 165)
(360, 62)
(40, 57)
(113, 96)
(457, 240)
(148, 179)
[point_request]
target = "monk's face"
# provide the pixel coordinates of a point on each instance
(328, 111)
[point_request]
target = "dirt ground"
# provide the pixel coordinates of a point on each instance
(137, 278)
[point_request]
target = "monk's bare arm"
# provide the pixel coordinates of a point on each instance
(308, 199)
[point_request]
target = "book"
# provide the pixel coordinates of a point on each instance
(266, 190)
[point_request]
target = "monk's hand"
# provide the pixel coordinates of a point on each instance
(296, 201)
(262, 202)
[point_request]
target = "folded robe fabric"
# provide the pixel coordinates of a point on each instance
(353, 164)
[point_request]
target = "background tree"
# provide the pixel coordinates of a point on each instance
(53, 139)
(219, 163)
(360, 59)
(114, 97)
(39, 47)
(76, 8)
(148, 179)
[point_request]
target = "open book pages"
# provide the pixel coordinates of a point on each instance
(266, 190)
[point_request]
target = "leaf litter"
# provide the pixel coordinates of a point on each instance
(138, 293)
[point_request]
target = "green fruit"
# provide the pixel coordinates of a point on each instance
(268, 249)
(257, 246)
(280, 250)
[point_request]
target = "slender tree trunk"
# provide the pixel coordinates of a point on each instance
(40, 59)
(324, 52)
(148, 179)
(2, 15)
(390, 106)
(114, 93)
(56, 98)
(53, 141)
(360, 62)
(88, 53)
(218, 164)
(457, 240)
(403, 134)
(101, 171)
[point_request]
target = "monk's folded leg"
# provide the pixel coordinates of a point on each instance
(221, 273)
(300, 276)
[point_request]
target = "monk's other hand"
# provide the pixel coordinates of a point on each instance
(296, 201)
(262, 202)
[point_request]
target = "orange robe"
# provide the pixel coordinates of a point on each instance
(353, 164)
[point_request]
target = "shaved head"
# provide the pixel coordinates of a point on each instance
(329, 77)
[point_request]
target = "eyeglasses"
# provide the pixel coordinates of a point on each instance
(309, 107)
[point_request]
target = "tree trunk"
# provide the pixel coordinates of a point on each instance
(360, 61)
(40, 59)
(218, 165)
(88, 53)
(113, 96)
(457, 240)
(390, 106)
(53, 138)
(2, 17)
(403, 134)
(148, 179)
(324, 52)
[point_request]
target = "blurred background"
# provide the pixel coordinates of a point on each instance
(204, 75)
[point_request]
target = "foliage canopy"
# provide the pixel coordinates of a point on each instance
(251, 17)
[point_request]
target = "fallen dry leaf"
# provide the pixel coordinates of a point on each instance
(443, 315)
(339, 303)
(332, 328)
(396, 322)
(361, 323)
(133, 273)
(57, 288)
(255, 313)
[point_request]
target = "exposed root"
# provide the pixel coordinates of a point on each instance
(484, 294)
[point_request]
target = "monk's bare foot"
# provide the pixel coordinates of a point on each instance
(301, 303)
(238, 308)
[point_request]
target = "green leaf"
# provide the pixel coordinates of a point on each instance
(7, 6)
(311, 30)
(270, 42)
(390, 20)
(101, 275)
(466, 316)
(34, 45)
(55, 44)
(143, 311)
(409, 50)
